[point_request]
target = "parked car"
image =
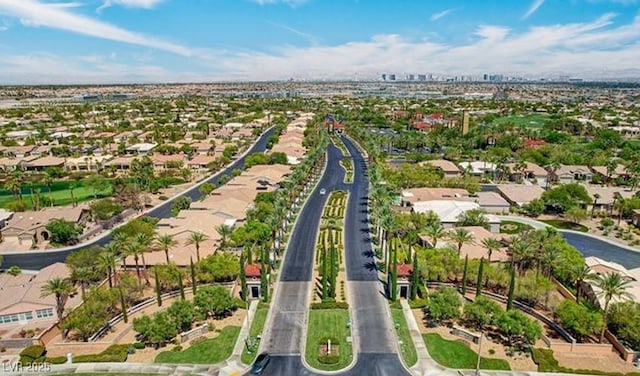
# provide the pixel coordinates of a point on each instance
(260, 364)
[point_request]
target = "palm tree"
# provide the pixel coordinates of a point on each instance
(434, 232)
(596, 196)
(582, 273)
(48, 181)
(13, 185)
(81, 275)
(145, 242)
(225, 232)
(166, 242)
(520, 251)
(461, 237)
(611, 285)
(106, 261)
(135, 249)
(61, 289)
(196, 239)
(491, 245)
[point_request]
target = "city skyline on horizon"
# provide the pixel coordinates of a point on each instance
(155, 41)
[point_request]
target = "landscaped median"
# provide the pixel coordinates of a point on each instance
(328, 346)
(347, 164)
(340, 145)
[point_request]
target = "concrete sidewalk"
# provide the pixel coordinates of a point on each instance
(426, 365)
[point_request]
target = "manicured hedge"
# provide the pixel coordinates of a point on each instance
(330, 305)
(113, 354)
(34, 351)
(32, 354)
(56, 360)
(329, 359)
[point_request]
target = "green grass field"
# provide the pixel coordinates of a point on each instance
(530, 120)
(60, 197)
(565, 225)
(458, 355)
(207, 351)
(407, 349)
(324, 323)
(257, 325)
(512, 227)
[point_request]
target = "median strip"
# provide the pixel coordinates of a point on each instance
(328, 344)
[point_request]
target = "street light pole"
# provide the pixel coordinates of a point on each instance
(479, 350)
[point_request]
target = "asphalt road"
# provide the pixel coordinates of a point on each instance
(594, 247)
(38, 260)
(372, 327)
(284, 333)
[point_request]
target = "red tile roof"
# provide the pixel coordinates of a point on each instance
(252, 270)
(405, 270)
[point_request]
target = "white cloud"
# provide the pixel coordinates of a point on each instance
(533, 8)
(47, 68)
(35, 13)
(439, 15)
(589, 49)
(145, 4)
(594, 49)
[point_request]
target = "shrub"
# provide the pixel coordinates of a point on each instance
(112, 354)
(33, 352)
(138, 345)
(177, 348)
(330, 305)
(56, 360)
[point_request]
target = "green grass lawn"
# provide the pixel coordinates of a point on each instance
(211, 350)
(530, 120)
(458, 355)
(547, 363)
(407, 349)
(325, 323)
(565, 225)
(256, 329)
(512, 227)
(60, 197)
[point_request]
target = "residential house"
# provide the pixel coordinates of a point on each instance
(530, 172)
(474, 249)
(162, 162)
(601, 267)
(22, 305)
(42, 164)
(27, 229)
(449, 212)
(201, 162)
(606, 197)
(410, 196)
(620, 172)
(566, 174)
(519, 195)
(492, 202)
(141, 148)
(478, 168)
(448, 168)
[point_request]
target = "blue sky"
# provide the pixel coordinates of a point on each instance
(104, 41)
